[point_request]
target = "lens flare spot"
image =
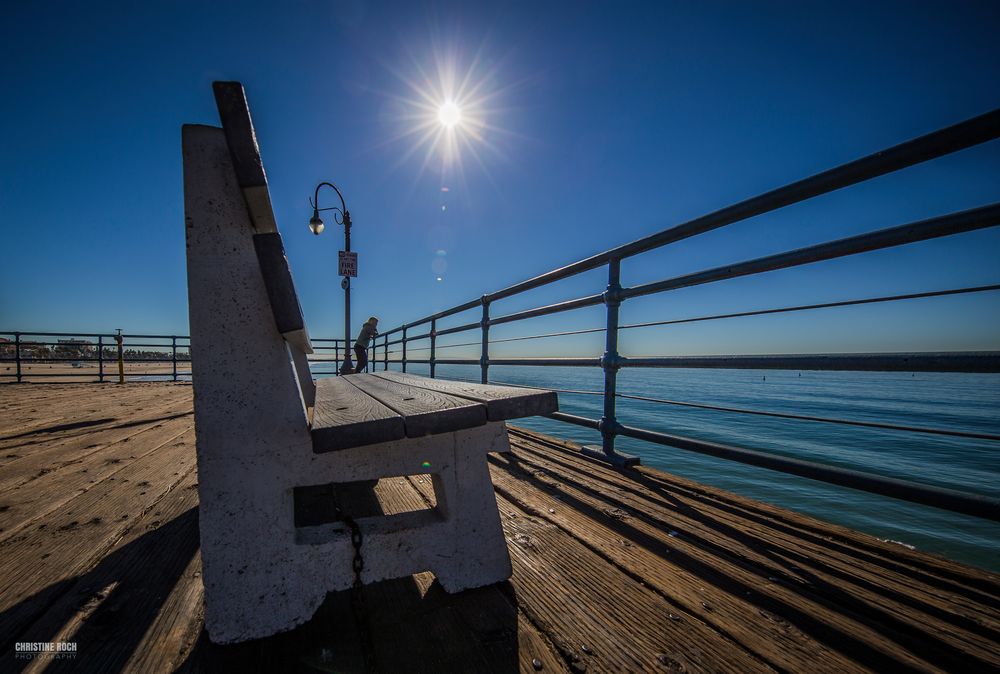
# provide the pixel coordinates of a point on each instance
(426, 464)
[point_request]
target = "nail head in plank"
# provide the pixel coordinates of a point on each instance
(424, 412)
(502, 402)
(345, 416)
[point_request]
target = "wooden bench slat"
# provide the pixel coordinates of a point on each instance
(281, 290)
(502, 402)
(345, 416)
(242, 140)
(424, 412)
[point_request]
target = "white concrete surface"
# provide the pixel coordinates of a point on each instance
(261, 574)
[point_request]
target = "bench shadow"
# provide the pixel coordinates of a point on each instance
(411, 623)
(107, 610)
(112, 610)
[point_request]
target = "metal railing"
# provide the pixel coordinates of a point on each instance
(937, 144)
(26, 353)
(946, 141)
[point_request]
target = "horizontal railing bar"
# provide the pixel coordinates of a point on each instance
(945, 141)
(442, 314)
(568, 305)
(167, 373)
(968, 362)
(459, 328)
(937, 497)
(568, 362)
(90, 359)
(574, 419)
(828, 420)
(923, 230)
(27, 333)
(542, 388)
(739, 314)
(806, 307)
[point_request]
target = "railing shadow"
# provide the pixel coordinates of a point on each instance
(814, 589)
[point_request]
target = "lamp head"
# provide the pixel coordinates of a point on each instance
(316, 225)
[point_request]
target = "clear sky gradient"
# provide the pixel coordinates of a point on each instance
(586, 125)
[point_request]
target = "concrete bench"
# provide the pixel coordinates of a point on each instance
(267, 432)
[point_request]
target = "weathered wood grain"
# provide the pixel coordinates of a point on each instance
(502, 402)
(34, 500)
(613, 571)
(796, 583)
(37, 564)
(345, 416)
(424, 412)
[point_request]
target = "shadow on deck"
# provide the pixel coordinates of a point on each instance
(613, 571)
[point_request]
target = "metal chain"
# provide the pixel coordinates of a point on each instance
(357, 589)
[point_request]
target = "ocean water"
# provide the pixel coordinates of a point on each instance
(969, 402)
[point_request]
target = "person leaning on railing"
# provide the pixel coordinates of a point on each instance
(369, 331)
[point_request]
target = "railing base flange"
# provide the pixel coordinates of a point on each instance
(617, 459)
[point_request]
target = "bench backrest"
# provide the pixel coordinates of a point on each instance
(237, 125)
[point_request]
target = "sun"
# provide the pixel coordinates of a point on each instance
(448, 109)
(449, 114)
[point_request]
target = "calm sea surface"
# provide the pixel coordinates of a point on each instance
(953, 401)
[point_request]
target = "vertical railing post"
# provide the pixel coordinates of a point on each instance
(100, 358)
(433, 339)
(610, 363)
(484, 353)
(336, 357)
(385, 353)
(173, 346)
(17, 355)
(404, 348)
(121, 356)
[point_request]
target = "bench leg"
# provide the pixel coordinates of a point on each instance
(480, 550)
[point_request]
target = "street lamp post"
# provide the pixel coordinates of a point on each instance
(316, 226)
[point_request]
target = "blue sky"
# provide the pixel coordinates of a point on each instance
(601, 123)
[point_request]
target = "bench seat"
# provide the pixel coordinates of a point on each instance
(270, 437)
(365, 409)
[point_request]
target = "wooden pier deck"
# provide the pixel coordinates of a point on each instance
(613, 572)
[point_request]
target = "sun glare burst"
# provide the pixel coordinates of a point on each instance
(447, 111)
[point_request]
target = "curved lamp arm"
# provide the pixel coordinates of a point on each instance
(316, 224)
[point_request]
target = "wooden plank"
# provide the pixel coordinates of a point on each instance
(38, 565)
(602, 558)
(120, 611)
(502, 402)
(424, 412)
(281, 290)
(30, 462)
(794, 583)
(345, 416)
(849, 558)
(579, 600)
(54, 413)
(32, 501)
(242, 140)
